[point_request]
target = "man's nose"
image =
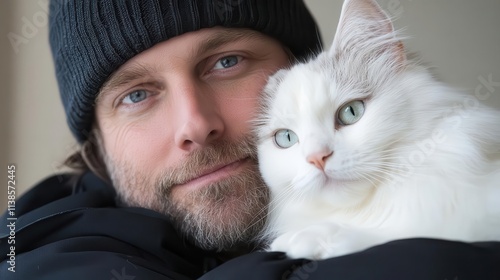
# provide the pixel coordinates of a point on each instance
(200, 121)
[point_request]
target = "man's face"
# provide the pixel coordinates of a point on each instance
(175, 131)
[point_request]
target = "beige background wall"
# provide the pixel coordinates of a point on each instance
(460, 38)
(35, 134)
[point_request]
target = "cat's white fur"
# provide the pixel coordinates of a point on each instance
(423, 161)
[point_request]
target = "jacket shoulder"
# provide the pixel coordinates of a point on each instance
(71, 228)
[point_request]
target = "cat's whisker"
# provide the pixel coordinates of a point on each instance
(283, 196)
(365, 177)
(291, 193)
(370, 178)
(380, 174)
(276, 201)
(399, 174)
(373, 175)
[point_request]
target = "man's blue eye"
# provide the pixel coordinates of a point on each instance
(227, 62)
(135, 97)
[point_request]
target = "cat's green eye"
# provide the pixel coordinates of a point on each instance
(285, 138)
(351, 112)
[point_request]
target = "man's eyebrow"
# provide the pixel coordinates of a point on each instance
(123, 77)
(223, 37)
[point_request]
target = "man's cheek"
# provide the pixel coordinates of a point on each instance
(122, 144)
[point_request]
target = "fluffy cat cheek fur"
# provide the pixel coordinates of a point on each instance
(277, 173)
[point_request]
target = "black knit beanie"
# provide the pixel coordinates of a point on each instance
(90, 39)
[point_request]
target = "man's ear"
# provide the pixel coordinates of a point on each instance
(364, 27)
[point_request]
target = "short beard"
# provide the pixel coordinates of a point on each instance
(223, 216)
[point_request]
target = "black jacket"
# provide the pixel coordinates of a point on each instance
(70, 227)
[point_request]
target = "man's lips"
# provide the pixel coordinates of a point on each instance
(215, 173)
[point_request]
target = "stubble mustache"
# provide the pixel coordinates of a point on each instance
(199, 161)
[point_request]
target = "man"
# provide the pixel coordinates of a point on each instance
(161, 94)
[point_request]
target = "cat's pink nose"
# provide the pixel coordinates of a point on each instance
(319, 159)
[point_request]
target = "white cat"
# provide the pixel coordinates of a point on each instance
(360, 146)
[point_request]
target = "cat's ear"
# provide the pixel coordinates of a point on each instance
(364, 28)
